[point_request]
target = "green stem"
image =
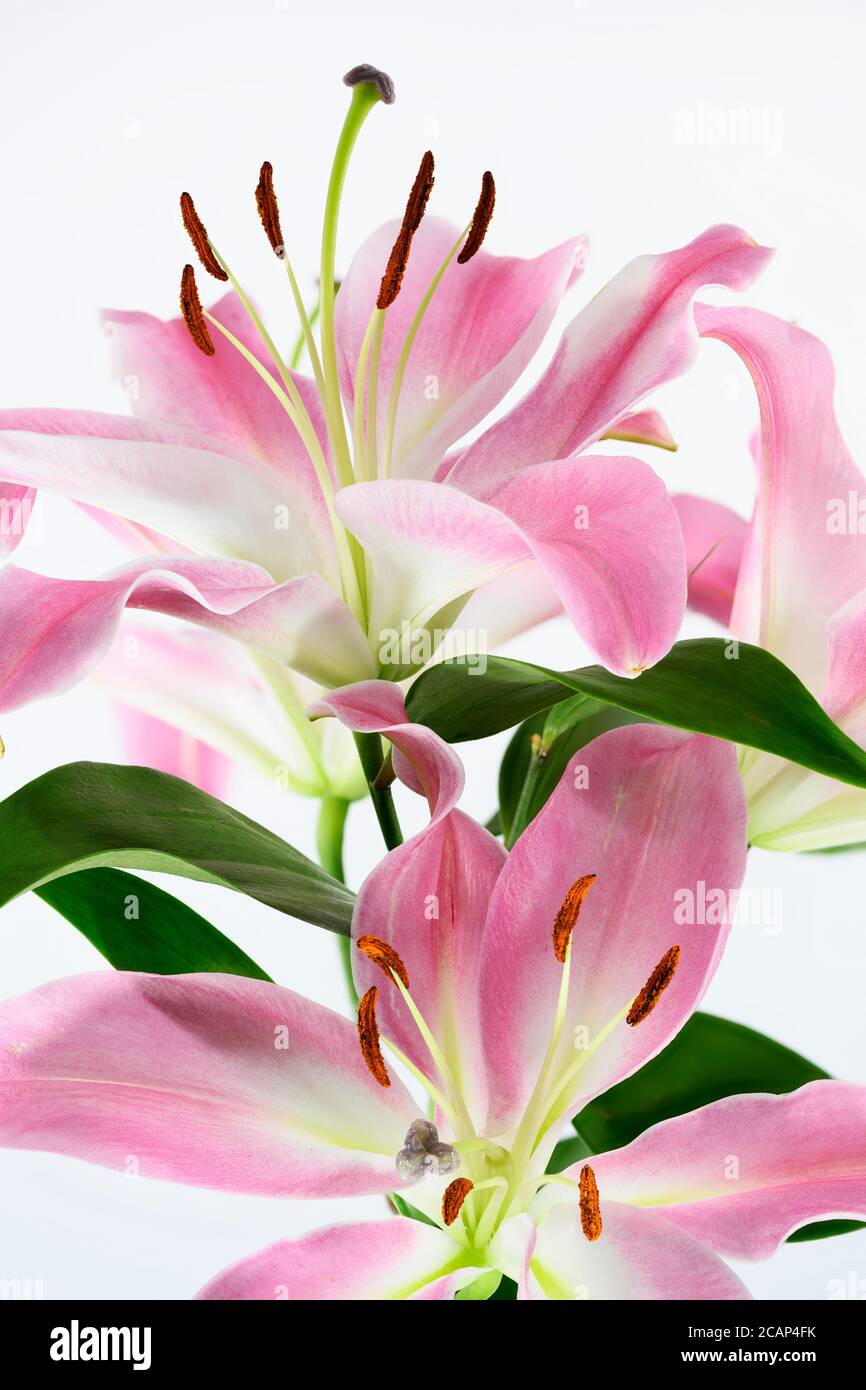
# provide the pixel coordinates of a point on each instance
(329, 846)
(523, 810)
(301, 340)
(371, 755)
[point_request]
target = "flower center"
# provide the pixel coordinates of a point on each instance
(499, 1181)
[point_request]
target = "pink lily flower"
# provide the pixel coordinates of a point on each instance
(511, 989)
(793, 579)
(335, 524)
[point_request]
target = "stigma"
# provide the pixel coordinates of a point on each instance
(423, 1152)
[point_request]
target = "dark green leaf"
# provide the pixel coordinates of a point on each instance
(820, 1230)
(90, 815)
(709, 1058)
(751, 699)
(138, 926)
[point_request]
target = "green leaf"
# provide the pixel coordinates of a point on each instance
(91, 815)
(709, 1058)
(820, 1230)
(752, 699)
(162, 936)
(483, 1287)
(404, 1208)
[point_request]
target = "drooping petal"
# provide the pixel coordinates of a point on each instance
(427, 899)
(213, 693)
(367, 1260)
(150, 742)
(16, 509)
(58, 629)
(421, 758)
(166, 378)
(714, 537)
(603, 531)
(659, 817)
(637, 1256)
(743, 1173)
(642, 427)
(485, 321)
(638, 332)
(173, 481)
(804, 558)
(211, 1080)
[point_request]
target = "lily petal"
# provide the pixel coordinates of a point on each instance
(70, 623)
(381, 1260)
(659, 817)
(714, 537)
(16, 507)
(173, 481)
(642, 427)
(150, 742)
(638, 332)
(743, 1173)
(484, 323)
(211, 1080)
(799, 566)
(634, 1258)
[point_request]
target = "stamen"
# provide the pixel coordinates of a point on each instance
(193, 315)
(566, 917)
(365, 72)
(199, 238)
(480, 218)
(384, 956)
(269, 212)
(590, 1209)
(658, 981)
(453, 1198)
(399, 258)
(368, 1036)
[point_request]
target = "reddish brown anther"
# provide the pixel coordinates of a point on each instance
(198, 236)
(655, 985)
(399, 257)
(269, 212)
(453, 1198)
(193, 315)
(384, 956)
(590, 1207)
(566, 917)
(480, 219)
(368, 1036)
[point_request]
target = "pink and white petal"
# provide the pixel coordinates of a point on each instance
(16, 509)
(58, 629)
(150, 742)
(638, 332)
(166, 378)
(660, 817)
(607, 536)
(803, 559)
(642, 427)
(362, 1261)
(428, 899)
(429, 547)
(422, 760)
(633, 1258)
(211, 1080)
(511, 1251)
(484, 323)
(173, 481)
(743, 1173)
(714, 537)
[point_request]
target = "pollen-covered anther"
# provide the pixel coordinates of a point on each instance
(384, 956)
(399, 257)
(368, 1036)
(590, 1207)
(193, 316)
(658, 981)
(269, 212)
(198, 236)
(566, 917)
(480, 219)
(453, 1198)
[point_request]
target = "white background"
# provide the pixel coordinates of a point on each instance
(108, 110)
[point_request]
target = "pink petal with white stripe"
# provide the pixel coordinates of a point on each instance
(743, 1173)
(211, 1080)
